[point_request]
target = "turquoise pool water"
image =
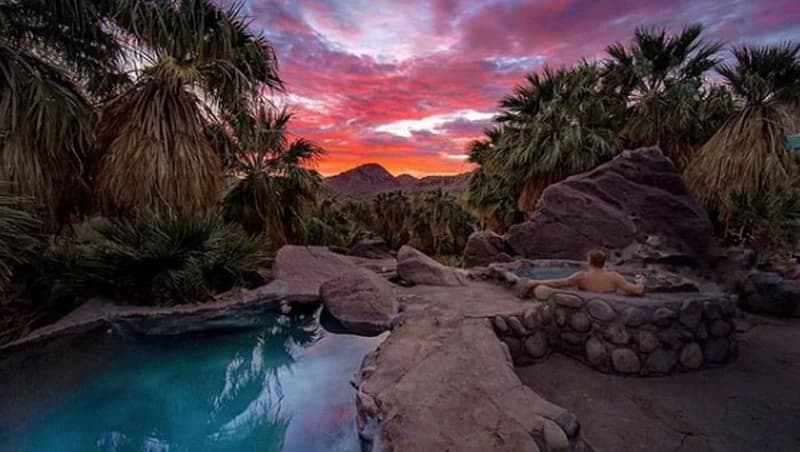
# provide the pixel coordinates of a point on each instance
(283, 387)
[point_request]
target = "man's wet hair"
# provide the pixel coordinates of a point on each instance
(597, 258)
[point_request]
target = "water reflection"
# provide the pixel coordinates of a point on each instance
(283, 387)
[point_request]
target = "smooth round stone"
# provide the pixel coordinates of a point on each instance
(547, 314)
(691, 356)
(500, 324)
(536, 345)
(647, 341)
(674, 336)
(625, 361)
(664, 316)
(568, 300)
(600, 310)
(530, 319)
(542, 292)
(691, 314)
(554, 437)
(516, 326)
(720, 328)
(617, 334)
(634, 317)
(561, 317)
(661, 361)
(580, 322)
(596, 352)
(717, 350)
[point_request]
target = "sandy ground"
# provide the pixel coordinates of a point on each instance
(750, 405)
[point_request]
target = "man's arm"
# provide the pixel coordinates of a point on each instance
(569, 281)
(631, 289)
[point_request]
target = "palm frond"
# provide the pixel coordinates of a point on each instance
(19, 239)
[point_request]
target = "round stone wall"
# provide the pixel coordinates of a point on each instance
(650, 335)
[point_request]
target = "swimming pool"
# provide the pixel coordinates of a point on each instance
(282, 387)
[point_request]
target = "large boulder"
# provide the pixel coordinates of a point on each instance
(417, 268)
(361, 301)
(305, 268)
(636, 195)
(484, 248)
(770, 294)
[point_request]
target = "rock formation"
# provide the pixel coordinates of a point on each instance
(638, 195)
(484, 248)
(361, 301)
(417, 268)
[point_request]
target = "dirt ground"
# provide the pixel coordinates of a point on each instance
(752, 404)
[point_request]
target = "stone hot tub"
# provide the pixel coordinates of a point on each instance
(652, 335)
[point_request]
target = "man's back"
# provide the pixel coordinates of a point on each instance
(599, 280)
(604, 281)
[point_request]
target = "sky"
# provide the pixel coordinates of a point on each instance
(410, 84)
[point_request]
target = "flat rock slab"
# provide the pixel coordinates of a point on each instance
(748, 405)
(238, 309)
(443, 381)
(305, 268)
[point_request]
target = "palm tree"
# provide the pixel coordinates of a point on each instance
(560, 123)
(45, 116)
(19, 241)
(198, 61)
(391, 213)
(438, 222)
(276, 189)
(661, 77)
(748, 156)
(491, 199)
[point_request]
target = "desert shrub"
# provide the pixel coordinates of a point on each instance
(769, 222)
(160, 260)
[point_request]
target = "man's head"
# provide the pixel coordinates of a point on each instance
(596, 258)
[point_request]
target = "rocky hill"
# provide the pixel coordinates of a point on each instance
(370, 179)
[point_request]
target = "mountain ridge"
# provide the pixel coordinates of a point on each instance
(370, 179)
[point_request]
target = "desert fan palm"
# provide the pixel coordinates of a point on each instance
(661, 79)
(560, 123)
(198, 62)
(19, 240)
(749, 155)
(277, 186)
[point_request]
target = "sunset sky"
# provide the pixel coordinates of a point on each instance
(409, 84)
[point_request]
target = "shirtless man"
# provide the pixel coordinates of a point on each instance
(595, 279)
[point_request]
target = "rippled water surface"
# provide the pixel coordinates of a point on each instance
(284, 387)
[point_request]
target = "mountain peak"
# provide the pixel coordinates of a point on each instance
(370, 179)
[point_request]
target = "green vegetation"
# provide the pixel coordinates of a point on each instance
(726, 133)
(19, 240)
(752, 166)
(154, 259)
(434, 222)
(274, 189)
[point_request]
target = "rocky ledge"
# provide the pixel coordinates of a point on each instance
(443, 381)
